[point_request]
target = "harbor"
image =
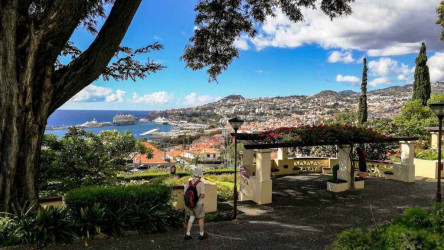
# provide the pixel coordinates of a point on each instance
(134, 121)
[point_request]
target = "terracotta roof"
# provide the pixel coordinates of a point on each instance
(158, 156)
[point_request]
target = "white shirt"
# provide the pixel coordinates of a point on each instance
(200, 188)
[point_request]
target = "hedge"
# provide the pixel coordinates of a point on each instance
(152, 175)
(116, 197)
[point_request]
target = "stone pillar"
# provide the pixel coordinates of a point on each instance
(247, 157)
(282, 154)
(407, 172)
(345, 165)
(434, 141)
(263, 164)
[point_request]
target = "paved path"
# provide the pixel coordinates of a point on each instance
(304, 215)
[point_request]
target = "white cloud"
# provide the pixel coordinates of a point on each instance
(241, 43)
(349, 79)
(386, 66)
(155, 97)
(193, 99)
(379, 27)
(436, 67)
(117, 97)
(92, 93)
(338, 56)
(379, 81)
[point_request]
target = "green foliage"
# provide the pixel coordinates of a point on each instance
(383, 125)
(428, 154)
(116, 197)
(153, 175)
(224, 191)
(81, 158)
(90, 220)
(440, 21)
(416, 228)
(52, 225)
(345, 117)
(436, 98)
(230, 151)
(421, 85)
(362, 108)
(413, 118)
(226, 215)
(39, 227)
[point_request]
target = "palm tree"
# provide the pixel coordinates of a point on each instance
(143, 150)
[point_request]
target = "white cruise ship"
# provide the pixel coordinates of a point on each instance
(91, 124)
(161, 120)
(124, 120)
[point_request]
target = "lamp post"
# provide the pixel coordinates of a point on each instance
(438, 109)
(235, 123)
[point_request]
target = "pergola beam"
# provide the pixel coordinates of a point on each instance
(254, 142)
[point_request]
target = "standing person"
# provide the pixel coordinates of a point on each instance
(194, 200)
(362, 162)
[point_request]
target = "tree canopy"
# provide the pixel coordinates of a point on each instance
(81, 158)
(362, 108)
(421, 86)
(220, 22)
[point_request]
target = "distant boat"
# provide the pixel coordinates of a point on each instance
(161, 120)
(143, 120)
(91, 124)
(124, 120)
(150, 132)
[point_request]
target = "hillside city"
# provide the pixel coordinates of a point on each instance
(272, 112)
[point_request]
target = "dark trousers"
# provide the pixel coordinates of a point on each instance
(362, 167)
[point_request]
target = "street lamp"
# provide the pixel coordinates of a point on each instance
(235, 123)
(438, 109)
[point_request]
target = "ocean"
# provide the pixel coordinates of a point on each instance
(76, 117)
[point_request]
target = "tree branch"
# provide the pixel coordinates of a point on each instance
(90, 65)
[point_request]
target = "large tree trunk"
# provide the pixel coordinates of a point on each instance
(30, 89)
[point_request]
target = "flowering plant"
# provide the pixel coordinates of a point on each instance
(322, 135)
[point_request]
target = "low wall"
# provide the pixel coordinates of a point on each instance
(52, 202)
(300, 165)
(210, 200)
(427, 168)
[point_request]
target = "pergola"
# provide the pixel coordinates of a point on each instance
(258, 186)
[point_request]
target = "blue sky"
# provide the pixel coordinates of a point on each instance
(284, 59)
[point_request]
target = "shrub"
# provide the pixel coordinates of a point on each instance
(355, 238)
(180, 174)
(414, 217)
(149, 175)
(416, 228)
(90, 220)
(38, 227)
(219, 216)
(9, 232)
(116, 197)
(52, 225)
(224, 191)
(428, 154)
(219, 171)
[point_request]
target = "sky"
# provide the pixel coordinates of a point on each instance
(284, 59)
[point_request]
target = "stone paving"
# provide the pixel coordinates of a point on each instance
(304, 215)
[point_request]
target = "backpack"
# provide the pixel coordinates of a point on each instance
(191, 197)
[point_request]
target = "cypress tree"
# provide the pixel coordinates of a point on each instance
(362, 110)
(421, 86)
